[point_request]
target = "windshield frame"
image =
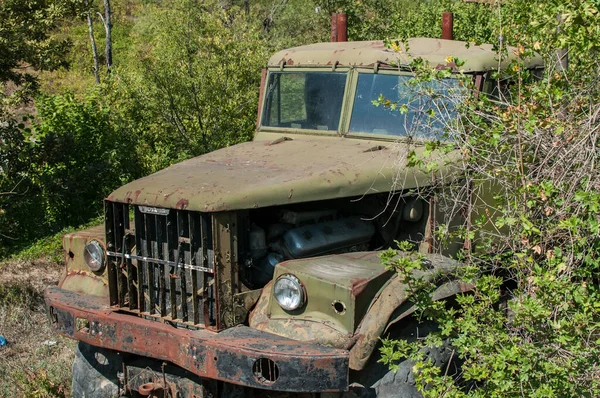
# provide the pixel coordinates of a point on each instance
(347, 103)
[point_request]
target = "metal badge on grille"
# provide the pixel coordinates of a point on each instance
(154, 210)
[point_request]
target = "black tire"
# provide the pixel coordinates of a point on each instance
(401, 383)
(95, 372)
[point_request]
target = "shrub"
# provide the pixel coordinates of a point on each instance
(531, 325)
(58, 170)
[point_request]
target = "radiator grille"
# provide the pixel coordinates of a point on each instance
(161, 264)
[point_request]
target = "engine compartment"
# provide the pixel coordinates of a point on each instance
(373, 222)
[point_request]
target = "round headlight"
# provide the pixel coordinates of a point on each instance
(93, 254)
(288, 292)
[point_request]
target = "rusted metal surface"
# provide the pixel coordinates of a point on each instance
(230, 356)
(342, 27)
(339, 27)
(448, 26)
(255, 174)
(391, 297)
(153, 390)
(225, 237)
(146, 374)
(333, 31)
(261, 93)
(367, 54)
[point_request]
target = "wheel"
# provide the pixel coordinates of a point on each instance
(401, 384)
(386, 383)
(95, 372)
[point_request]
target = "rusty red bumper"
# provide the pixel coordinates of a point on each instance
(239, 355)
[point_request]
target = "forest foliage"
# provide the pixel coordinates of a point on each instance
(185, 82)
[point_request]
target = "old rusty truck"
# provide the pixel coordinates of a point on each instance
(254, 270)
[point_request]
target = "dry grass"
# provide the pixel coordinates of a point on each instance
(29, 366)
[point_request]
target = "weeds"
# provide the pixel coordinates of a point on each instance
(49, 247)
(20, 296)
(36, 362)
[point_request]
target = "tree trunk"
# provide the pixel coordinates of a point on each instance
(108, 28)
(94, 49)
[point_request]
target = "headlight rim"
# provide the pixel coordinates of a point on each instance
(86, 256)
(302, 291)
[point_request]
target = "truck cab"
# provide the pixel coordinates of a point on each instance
(257, 265)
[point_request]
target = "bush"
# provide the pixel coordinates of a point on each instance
(56, 172)
(531, 325)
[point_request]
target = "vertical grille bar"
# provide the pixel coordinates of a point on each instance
(110, 246)
(207, 261)
(196, 259)
(183, 233)
(140, 238)
(161, 225)
(174, 256)
(119, 235)
(131, 272)
(154, 251)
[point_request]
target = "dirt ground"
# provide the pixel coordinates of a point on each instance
(36, 362)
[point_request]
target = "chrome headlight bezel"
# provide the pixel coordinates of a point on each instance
(289, 283)
(94, 256)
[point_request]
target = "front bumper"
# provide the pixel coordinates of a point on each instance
(238, 355)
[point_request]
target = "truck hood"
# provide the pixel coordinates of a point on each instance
(261, 174)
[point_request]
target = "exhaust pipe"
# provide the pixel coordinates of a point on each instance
(448, 26)
(339, 27)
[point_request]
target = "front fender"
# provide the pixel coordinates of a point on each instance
(77, 277)
(392, 296)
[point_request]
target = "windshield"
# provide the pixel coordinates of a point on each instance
(304, 100)
(398, 106)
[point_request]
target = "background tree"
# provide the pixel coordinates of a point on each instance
(26, 41)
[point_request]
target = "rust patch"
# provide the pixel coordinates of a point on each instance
(358, 286)
(182, 204)
(451, 65)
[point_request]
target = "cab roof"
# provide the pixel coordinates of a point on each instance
(478, 58)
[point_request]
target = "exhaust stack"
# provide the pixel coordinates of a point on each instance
(339, 27)
(448, 26)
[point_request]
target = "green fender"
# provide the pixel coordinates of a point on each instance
(383, 312)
